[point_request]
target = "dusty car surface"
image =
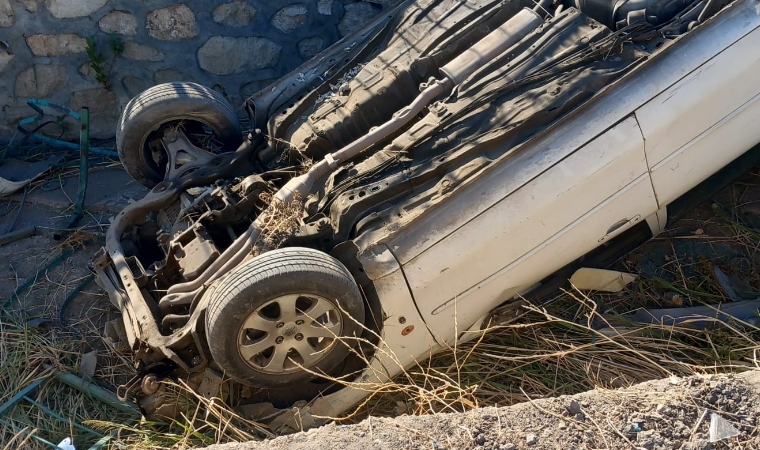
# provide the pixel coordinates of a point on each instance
(410, 182)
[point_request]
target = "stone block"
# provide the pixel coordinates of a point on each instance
(225, 55)
(40, 81)
(104, 110)
(68, 9)
(324, 7)
(139, 52)
(56, 44)
(134, 85)
(119, 22)
(235, 14)
(172, 23)
(170, 76)
(87, 72)
(250, 88)
(356, 15)
(6, 14)
(30, 5)
(5, 60)
(12, 114)
(290, 17)
(311, 46)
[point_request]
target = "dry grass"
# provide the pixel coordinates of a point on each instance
(279, 222)
(562, 347)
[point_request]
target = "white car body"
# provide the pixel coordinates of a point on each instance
(430, 204)
(648, 138)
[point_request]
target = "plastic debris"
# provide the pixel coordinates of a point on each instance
(66, 445)
(698, 317)
(15, 174)
(588, 279)
(721, 428)
(88, 364)
(39, 322)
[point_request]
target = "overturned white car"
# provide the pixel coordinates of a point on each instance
(408, 183)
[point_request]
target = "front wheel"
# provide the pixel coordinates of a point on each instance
(284, 317)
(204, 116)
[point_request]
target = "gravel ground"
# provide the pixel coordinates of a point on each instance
(662, 414)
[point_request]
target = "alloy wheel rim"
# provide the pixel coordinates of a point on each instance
(289, 333)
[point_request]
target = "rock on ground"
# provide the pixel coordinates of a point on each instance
(5, 60)
(656, 415)
(310, 46)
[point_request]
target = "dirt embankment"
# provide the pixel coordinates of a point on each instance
(665, 414)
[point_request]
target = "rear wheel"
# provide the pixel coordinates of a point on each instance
(284, 317)
(205, 117)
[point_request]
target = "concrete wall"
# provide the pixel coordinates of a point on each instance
(237, 47)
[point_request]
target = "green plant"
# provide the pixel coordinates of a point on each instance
(98, 61)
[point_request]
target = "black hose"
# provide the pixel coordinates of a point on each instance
(543, 7)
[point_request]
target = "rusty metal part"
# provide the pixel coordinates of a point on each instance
(406, 331)
(123, 391)
(211, 384)
(150, 384)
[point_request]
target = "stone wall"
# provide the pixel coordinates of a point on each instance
(236, 47)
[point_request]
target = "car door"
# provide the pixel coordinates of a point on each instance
(564, 210)
(705, 120)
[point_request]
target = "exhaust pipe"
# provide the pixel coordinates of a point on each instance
(492, 45)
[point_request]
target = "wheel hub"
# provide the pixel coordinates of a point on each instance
(290, 330)
(290, 333)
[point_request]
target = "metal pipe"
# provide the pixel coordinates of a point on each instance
(96, 391)
(18, 234)
(301, 185)
(234, 254)
(492, 45)
(84, 154)
(543, 5)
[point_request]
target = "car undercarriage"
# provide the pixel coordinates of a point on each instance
(343, 154)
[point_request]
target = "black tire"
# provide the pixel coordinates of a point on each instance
(256, 286)
(163, 105)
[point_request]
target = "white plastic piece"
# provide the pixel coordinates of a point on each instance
(721, 428)
(16, 174)
(66, 445)
(587, 279)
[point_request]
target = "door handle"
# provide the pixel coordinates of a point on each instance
(619, 227)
